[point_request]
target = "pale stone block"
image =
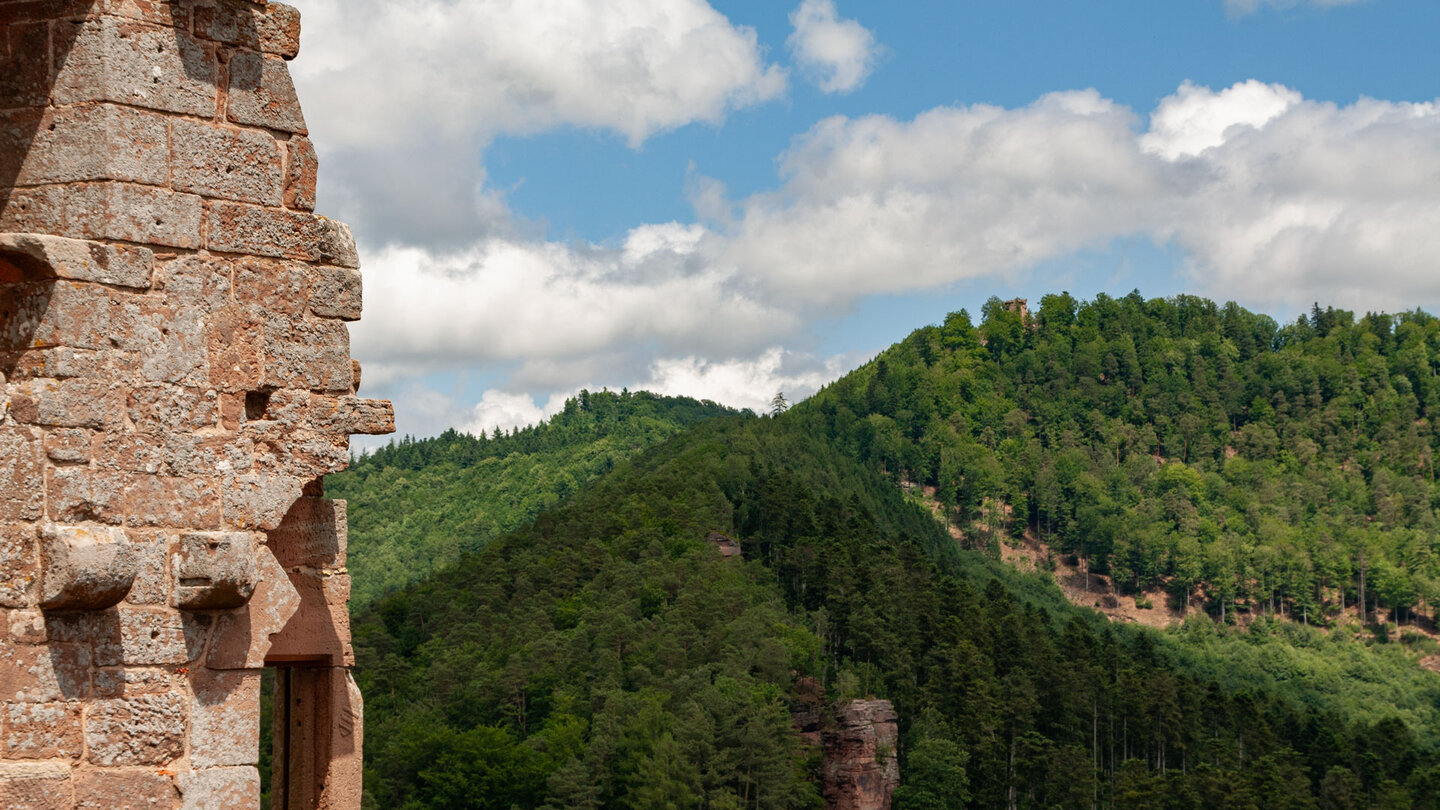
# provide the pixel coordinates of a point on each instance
(220, 788)
(79, 260)
(262, 93)
(68, 445)
(106, 210)
(43, 730)
(35, 786)
(84, 567)
(35, 674)
(19, 566)
(138, 64)
(224, 717)
(233, 164)
(301, 171)
(273, 28)
(97, 142)
(215, 570)
(242, 228)
(22, 490)
(308, 355)
(136, 730)
(71, 403)
(336, 293)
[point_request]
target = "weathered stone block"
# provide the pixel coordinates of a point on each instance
(242, 637)
(220, 788)
(125, 790)
(22, 487)
(68, 445)
(234, 340)
(196, 281)
(43, 314)
(262, 93)
(37, 786)
(258, 500)
(19, 565)
(224, 717)
(151, 637)
(158, 12)
(84, 567)
(215, 570)
(274, 28)
(352, 415)
(274, 285)
(80, 260)
(24, 80)
(155, 500)
(337, 244)
(79, 494)
(106, 210)
(152, 569)
(67, 403)
(336, 293)
(242, 228)
(301, 171)
(233, 164)
(310, 355)
(143, 65)
(118, 682)
(162, 409)
(314, 534)
(136, 730)
(43, 730)
(97, 142)
(28, 627)
(317, 631)
(35, 674)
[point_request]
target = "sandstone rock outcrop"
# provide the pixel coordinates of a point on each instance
(861, 765)
(175, 380)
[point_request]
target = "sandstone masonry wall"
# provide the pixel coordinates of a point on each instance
(175, 380)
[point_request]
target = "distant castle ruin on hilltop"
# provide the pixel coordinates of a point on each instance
(175, 381)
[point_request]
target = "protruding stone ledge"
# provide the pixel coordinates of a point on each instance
(38, 256)
(85, 567)
(216, 570)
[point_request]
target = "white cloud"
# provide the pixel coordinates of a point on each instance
(1197, 118)
(746, 383)
(1241, 7)
(838, 54)
(499, 409)
(404, 95)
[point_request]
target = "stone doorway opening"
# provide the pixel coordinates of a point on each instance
(309, 744)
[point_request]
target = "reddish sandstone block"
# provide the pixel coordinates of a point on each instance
(220, 788)
(72, 403)
(152, 568)
(311, 355)
(136, 730)
(234, 338)
(38, 786)
(23, 306)
(43, 314)
(68, 445)
(314, 534)
(154, 500)
(215, 570)
(36, 674)
(271, 29)
(22, 491)
(158, 12)
(118, 682)
(224, 162)
(278, 286)
(301, 171)
(258, 500)
(79, 494)
(80, 260)
(151, 636)
(262, 93)
(241, 228)
(43, 731)
(337, 244)
(97, 142)
(134, 789)
(317, 631)
(139, 64)
(19, 566)
(196, 281)
(224, 717)
(106, 210)
(350, 415)
(162, 409)
(336, 293)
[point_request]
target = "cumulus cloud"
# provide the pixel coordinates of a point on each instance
(403, 95)
(505, 411)
(838, 54)
(1272, 198)
(1242, 7)
(746, 382)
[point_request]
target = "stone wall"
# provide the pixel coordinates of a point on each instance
(175, 380)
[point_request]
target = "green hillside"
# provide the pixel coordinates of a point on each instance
(417, 505)
(605, 656)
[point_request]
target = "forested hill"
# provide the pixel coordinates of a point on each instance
(417, 504)
(605, 655)
(1287, 470)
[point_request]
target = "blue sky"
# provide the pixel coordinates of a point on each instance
(725, 198)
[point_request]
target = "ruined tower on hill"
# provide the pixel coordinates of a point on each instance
(175, 381)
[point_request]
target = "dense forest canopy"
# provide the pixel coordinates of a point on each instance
(606, 655)
(1176, 442)
(416, 505)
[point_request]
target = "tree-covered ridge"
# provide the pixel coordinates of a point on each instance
(605, 656)
(416, 505)
(1278, 469)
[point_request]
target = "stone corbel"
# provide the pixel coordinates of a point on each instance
(216, 570)
(85, 567)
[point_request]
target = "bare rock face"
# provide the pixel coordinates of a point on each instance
(861, 768)
(175, 380)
